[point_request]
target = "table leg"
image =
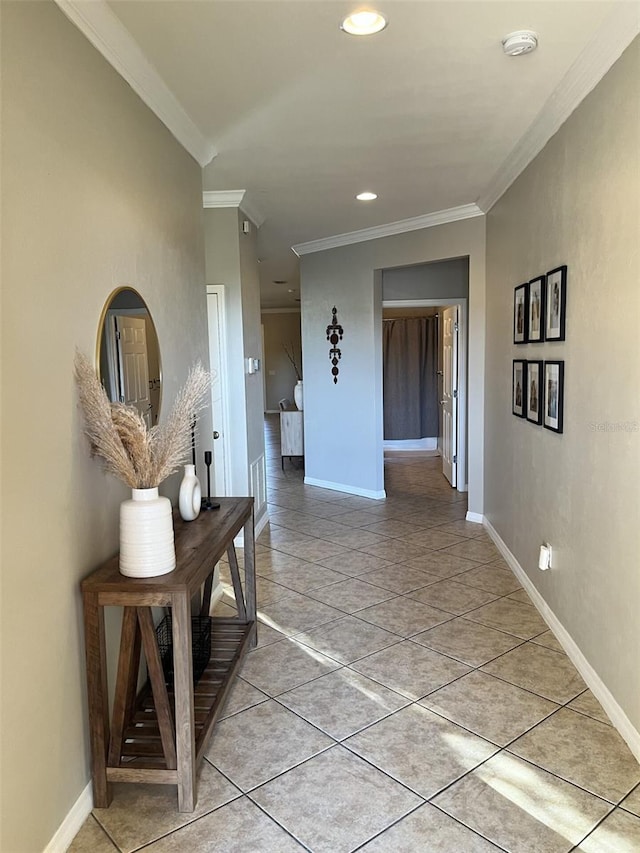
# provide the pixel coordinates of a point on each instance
(237, 584)
(250, 576)
(96, 660)
(184, 712)
(158, 687)
(205, 606)
(126, 682)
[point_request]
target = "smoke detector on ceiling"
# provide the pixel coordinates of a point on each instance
(520, 42)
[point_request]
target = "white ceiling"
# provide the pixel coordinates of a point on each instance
(429, 113)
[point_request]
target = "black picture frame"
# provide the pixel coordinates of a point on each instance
(553, 415)
(520, 315)
(534, 402)
(556, 304)
(536, 296)
(518, 387)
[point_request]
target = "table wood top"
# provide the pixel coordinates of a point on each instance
(199, 546)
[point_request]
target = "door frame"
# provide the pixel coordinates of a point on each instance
(463, 345)
(219, 291)
(450, 395)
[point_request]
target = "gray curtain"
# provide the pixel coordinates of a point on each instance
(409, 378)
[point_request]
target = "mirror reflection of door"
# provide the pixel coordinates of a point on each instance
(133, 364)
(129, 356)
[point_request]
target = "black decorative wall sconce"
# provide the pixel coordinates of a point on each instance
(334, 334)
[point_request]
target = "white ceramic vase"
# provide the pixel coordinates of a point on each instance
(146, 535)
(298, 395)
(190, 497)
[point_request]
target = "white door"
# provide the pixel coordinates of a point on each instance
(217, 359)
(439, 375)
(449, 400)
(131, 334)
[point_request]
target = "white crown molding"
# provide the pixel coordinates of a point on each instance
(615, 35)
(222, 198)
(416, 223)
(232, 198)
(252, 212)
(103, 29)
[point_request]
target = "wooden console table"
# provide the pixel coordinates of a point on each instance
(158, 734)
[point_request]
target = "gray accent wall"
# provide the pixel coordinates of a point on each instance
(343, 422)
(578, 203)
(438, 280)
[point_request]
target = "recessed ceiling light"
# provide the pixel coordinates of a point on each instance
(366, 196)
(364, 23)
(520, 42)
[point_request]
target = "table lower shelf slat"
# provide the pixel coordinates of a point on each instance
(142, 746)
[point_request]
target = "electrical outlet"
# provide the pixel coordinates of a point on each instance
(544, 560)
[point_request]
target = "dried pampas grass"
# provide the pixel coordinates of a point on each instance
(140, 457)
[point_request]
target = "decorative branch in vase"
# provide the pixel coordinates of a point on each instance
(292, 355)
(142, 458)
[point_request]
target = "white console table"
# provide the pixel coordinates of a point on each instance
(291, 434)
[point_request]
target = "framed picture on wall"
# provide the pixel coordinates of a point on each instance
(533, 401)
(520, 310)
(556, 304)
(518, 387)
(553, 395)
(535, 325)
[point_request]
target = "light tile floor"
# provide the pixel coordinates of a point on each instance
(406, 697)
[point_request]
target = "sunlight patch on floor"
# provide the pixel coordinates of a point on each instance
(526, 788)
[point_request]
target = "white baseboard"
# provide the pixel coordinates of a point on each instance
(621, 722)
(260, 524)
(350, 490)
(72, 824)
(412, 444)
(411, 454)
(476, 517)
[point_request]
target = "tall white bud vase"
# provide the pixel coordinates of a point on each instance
(190, 497)
(146, 535)
(298, 394)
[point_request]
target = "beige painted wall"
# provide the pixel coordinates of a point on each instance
(96, 193)
(231, 260)
(222, 263)
(252, 334)
(577, 203)
(280, 329)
